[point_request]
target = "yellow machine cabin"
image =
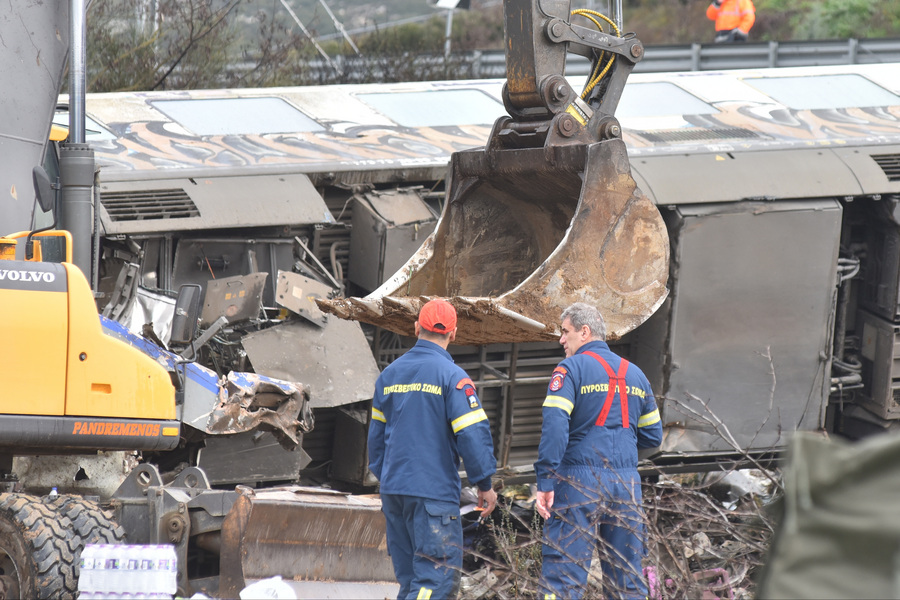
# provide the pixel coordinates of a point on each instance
(67, 384)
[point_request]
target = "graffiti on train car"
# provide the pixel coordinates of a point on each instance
(154, 145)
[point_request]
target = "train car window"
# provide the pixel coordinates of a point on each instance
(436, 108)
(823, 92)
(643, 100)
(237, 116)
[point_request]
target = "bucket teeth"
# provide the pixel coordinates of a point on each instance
(356, 309)
(401, 304)
(465, 302)
(339, 307)
(367, 308)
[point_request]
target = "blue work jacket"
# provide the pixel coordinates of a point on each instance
(583, 424)
(425, 416)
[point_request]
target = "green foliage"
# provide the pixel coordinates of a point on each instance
(519, 552)
(409, 38)
(668, 22)
(120, 56)
(186, 44)
(278, 57)
(190, 44)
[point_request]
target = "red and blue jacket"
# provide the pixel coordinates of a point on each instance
(425, 416)
(588, 421)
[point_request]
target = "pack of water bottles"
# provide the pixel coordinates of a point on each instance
(114, 572)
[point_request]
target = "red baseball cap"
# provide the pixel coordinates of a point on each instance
(438, 316)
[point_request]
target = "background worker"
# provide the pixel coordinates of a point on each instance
(733, 18)
(598, 411)
(425, 415)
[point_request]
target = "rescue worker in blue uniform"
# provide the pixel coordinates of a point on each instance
(425, 416)
(598, 411)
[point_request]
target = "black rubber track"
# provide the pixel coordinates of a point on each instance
(39, 546)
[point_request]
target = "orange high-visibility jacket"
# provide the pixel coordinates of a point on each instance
(733, 14)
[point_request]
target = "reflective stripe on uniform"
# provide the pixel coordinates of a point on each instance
(424, 593)
(559, 402)
(377, 415)
(468, 419)
(649, 419)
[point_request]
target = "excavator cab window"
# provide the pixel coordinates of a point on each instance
(53, 249)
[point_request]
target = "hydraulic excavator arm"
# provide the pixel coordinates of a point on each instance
(538, 97)
(547, 213)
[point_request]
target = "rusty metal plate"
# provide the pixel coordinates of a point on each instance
(303, 535)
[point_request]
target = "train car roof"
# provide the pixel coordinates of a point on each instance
(412, 128)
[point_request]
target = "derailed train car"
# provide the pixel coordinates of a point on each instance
(778, 188)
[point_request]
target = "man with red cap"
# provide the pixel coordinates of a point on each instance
(425, 416)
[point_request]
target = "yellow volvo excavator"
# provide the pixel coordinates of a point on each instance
(547, 213)
(79, 385)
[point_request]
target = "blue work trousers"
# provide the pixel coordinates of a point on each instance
(595, 507)
(425, 541)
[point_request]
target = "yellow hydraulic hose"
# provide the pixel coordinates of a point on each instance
(596, 77)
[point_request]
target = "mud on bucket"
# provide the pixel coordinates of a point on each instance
(523, 234)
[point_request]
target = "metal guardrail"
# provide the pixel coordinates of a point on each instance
(717, 57)
(491, 64)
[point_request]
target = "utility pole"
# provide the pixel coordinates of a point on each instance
(447, 32)
(450, 5)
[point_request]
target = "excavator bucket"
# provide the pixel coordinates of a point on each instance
(323, 544)
(523, 234)
(548, 213)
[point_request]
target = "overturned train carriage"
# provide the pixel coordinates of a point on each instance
(778, 189)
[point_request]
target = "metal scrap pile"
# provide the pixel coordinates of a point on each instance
(708, 537)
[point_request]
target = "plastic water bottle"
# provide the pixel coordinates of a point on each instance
(131, 557)
(166, 572)
(100, 579)
(87, 574)
(143, 580)
(128, 572)
(113, 574)
(172, 574)
(117, 576)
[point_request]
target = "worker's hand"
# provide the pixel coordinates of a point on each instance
(544, 502)
(487, 501)
(739, 36)
(718, 3)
